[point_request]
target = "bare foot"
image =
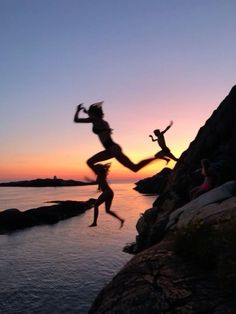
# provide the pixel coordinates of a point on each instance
(93, 225)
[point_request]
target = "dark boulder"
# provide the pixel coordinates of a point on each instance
(13, 219)
(161, 279)
(216, 141)
(157, 280)
(154, 184)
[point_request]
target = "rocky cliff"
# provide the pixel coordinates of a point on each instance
(216, 141)
(185, 258)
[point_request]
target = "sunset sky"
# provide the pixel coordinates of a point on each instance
(151, 61)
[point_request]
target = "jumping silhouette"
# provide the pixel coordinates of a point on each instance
(165, 153)
(103, 130)
(106, 196)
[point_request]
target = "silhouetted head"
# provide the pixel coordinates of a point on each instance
(157, 132)
(101, 169)
(96, 110)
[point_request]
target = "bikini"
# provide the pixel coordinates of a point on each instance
(205, 186)
(109, 142)
(98, 131)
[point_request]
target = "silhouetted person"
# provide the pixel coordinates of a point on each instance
(106, 196)
(209, 182)
(103, 130)
(165, 153)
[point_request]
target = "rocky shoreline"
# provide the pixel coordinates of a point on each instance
(55, 182)
(13, 219)
(185, 254)
(154, 184)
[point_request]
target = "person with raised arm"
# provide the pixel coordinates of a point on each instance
(210, 179)
(165, 152)
(102, 129)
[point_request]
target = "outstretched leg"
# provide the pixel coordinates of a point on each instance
(162, 155)
(116, 152)
(98, 202)
(110, 212)
(95, 217)
(101, 156)
(172, 156)
(125, 161)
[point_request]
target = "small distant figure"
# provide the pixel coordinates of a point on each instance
(165, 153)
(103, 130)
(106, 196)
(209, 182)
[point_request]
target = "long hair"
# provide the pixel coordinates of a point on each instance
(101, 169)
(96, 110)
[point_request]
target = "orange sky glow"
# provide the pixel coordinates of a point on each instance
(162, 61)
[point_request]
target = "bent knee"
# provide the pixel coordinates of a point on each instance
(159, 154)
(90, 162)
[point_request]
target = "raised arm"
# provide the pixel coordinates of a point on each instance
(153, 139)
(167, 128)
(76, 116)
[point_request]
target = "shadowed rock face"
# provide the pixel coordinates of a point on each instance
(13, 219)
(157, 280)
(154, 184)
(212, 207)
(216, 141)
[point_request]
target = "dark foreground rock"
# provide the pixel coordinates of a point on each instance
(185, 250)
(158, 281)
(216, 141)
(212, 207)
(14, 219)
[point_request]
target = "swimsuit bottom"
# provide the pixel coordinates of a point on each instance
(205, 186)
(163, 151)
(166, 150)
(109, 143)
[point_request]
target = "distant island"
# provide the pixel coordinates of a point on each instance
(47, 183)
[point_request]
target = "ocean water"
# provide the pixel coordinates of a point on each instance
(61, 268)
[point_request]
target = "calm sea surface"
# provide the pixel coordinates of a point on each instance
(61, 268)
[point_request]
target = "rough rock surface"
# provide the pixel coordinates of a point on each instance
(13, 219)
(216, 140)
(158, 281)
(211, 207)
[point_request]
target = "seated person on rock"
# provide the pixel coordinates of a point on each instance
(209, 181)
(165, 152)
